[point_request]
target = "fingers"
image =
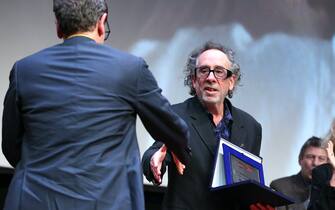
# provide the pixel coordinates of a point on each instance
(157, 160)
(330, 152)
(155, 168)
(268, 207)
(330, 149)
(180, 167)
(259, 206)
(253, 207)
(163, 148)
(156, 163)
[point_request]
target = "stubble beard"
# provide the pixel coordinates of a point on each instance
(211, 99)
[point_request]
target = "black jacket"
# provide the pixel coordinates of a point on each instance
(191, 191)
(322, 194)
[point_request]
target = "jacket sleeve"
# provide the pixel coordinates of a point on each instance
(12, 128)
(158, 118)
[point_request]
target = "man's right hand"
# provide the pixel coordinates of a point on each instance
(330, 153)
(156, 163)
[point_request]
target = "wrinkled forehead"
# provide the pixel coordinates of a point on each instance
(213, 57)
(315, 151)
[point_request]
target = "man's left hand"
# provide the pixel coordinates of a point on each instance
(180, 167)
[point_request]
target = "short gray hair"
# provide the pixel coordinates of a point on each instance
(78, 15)
(189, 69)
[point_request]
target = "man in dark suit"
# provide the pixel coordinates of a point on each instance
(70, 115)
(211, 74)
(298, 186)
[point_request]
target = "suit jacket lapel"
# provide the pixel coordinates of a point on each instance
(237, 131)
(200, 122)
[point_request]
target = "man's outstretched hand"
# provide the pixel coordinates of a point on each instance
(157, 161)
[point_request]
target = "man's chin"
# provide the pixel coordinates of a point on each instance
(211, 99)
(308, 176)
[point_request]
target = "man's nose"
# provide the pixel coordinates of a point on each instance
(211, 76)
(315, 162)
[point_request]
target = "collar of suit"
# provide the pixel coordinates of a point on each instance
(203, 125)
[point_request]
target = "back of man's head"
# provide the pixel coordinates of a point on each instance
(75, 16)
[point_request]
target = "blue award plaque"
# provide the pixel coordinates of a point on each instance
(241, 165)
(234, 164)
(238, 178)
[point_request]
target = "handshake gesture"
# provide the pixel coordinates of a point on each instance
(156, 162)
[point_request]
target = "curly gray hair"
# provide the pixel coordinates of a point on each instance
(189, 70)
(78, 15)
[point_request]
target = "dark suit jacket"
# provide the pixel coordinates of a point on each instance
(191, 191)
(322, 194)
(69, 127)
(294, 187)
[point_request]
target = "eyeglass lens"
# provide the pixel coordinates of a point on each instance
(218, 71)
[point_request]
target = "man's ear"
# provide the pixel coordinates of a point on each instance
(232, 81)
(299, 161)
(193, 80)
(101, 25)
(60, 34)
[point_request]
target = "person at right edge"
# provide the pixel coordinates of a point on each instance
(323, 179)
(211, 75)
(297, 186)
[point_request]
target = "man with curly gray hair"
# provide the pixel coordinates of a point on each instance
(192, 59)
(211, 73)
(69, 119)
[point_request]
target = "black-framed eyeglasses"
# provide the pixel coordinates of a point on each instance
(218, 71)
(107, 30)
